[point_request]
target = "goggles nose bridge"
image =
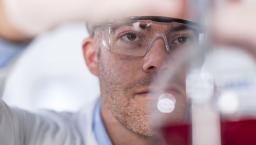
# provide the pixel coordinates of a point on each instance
(157, 37)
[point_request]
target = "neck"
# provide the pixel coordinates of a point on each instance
(118, 133)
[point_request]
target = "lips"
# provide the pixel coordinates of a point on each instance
(172, 90)
(143, 92)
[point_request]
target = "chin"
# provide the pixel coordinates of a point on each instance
(140, 125)
(134, 114)
(144, 132)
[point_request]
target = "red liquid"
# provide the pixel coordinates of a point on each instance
(242, 132)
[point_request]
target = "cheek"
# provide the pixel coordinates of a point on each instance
(121, 71)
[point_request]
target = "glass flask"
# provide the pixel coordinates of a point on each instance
(219, 81)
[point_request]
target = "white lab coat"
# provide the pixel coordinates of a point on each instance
(19, 127)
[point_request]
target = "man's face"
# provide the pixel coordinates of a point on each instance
(126, 82)
(123, 83)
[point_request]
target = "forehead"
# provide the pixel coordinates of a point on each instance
(150, 26)
(155, 20)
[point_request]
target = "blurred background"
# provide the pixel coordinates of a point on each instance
(51, 73)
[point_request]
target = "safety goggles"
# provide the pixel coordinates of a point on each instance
(136, 35)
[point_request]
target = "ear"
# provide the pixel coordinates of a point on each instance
(90, 55)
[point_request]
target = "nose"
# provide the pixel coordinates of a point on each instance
(156, 57)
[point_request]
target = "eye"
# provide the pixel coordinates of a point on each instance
(181, 40)
(130, 37)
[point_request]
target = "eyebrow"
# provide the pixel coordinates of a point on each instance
(115, 27)
(181, 28)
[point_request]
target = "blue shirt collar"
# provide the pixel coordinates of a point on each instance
(99, 128)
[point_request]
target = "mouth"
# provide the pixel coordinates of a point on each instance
(151, 92)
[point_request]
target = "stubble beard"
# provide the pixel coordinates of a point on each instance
(120, 102)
